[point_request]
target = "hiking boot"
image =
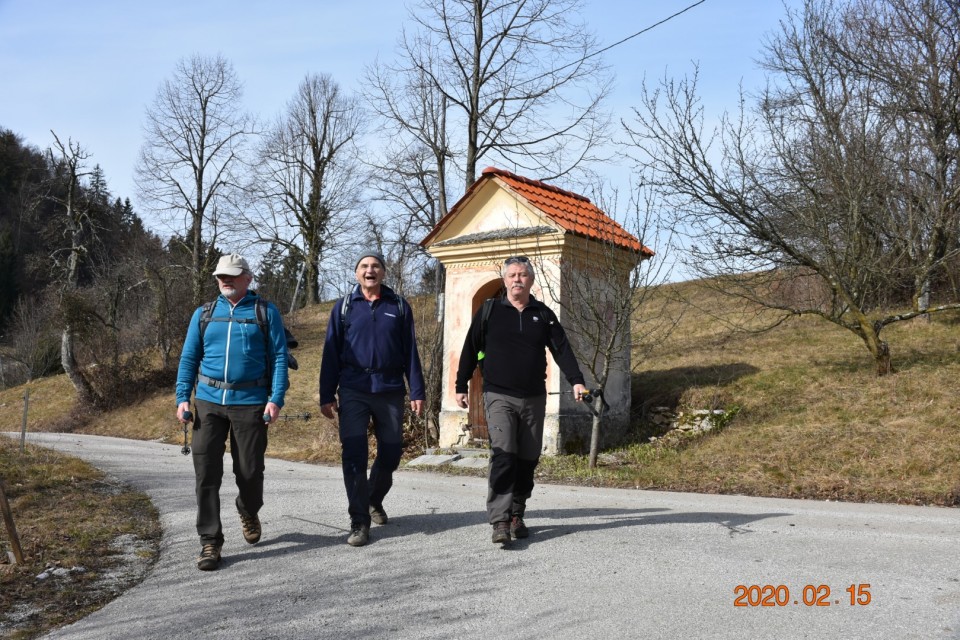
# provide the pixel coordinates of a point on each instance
(378, 515)
(209, 557)
(501, 532)
(251, 528)
(359, 535)
(518, 528)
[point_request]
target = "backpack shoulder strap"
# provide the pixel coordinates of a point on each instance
(344, 318)
(552, 320)
(485, 312)
(262, 318)
(205, 314)
(401, 305)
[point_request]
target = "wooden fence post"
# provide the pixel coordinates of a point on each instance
(11, 527)
(23, 423)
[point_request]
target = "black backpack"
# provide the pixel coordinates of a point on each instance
(262, 320)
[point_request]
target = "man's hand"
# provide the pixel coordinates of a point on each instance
(462, 400)
(181, 408)
(578, 392)
(329, 409)
(271, 410)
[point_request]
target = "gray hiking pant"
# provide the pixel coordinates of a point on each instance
(515, 426)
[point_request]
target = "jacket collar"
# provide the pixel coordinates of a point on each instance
(385, 292)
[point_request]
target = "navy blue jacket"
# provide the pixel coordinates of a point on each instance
(375, 352)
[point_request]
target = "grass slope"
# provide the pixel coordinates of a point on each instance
(814, 421)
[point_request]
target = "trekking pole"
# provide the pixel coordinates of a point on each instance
(293, 416)
(587, 397)
(189, 418)
(588, 394)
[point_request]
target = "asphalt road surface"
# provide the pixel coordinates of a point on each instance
(600, 563)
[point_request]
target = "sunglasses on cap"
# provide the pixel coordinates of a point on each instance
(516, 260)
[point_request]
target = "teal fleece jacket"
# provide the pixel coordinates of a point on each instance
(234, 352)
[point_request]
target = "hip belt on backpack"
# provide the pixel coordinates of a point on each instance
(221, 384)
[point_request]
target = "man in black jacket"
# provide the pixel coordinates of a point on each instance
(519, 329)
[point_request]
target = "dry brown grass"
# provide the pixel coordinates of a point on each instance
(71, 517)
(814, 421)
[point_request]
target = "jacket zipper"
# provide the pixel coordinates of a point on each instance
(226, 356)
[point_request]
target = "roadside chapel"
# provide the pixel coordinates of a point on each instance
(566, 237)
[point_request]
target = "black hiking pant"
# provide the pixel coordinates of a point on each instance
(248, 444)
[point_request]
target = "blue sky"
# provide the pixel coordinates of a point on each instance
(88, 70)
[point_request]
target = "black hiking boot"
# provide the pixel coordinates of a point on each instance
(209, 558)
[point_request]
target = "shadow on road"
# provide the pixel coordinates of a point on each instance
(548, 524)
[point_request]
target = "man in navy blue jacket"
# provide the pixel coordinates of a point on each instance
(370, 347)
(240, 372)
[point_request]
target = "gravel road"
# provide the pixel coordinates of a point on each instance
(600, 563)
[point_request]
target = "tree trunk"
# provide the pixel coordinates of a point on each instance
(878, 348)
(595, 433)
(312, 279)
(85, 393)
(197, 259)
(882, 359)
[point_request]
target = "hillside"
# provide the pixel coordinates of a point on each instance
(813, 420)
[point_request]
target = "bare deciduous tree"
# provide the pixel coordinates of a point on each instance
(33, 339)
(67, 161)
(841, 193)
(518, 76)
(308, 176)
(189, 163)
(412, 177)
(605, 290)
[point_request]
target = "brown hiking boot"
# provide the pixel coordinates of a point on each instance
(518, 528)
(251, 528)
(501, 532)
(209, 557)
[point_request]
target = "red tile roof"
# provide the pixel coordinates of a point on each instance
(573, 212)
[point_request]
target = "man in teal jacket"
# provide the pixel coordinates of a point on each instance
(239, 369)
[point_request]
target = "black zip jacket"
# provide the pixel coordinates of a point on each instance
(515, 358)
